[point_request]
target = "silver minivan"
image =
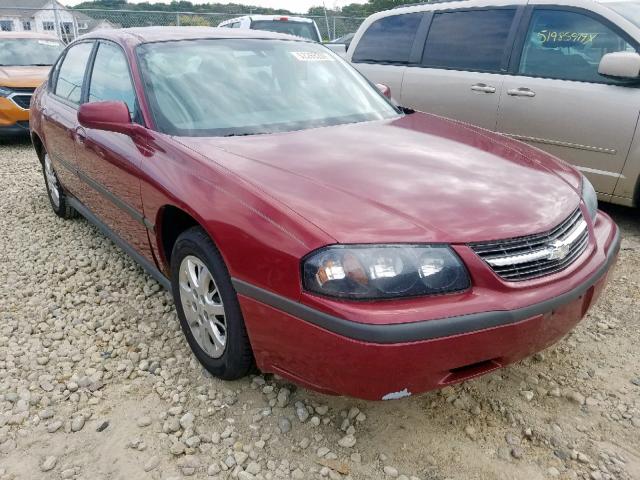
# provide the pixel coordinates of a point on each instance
(561, 75)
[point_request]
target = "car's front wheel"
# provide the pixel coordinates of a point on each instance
(208, 306)
(56, 194)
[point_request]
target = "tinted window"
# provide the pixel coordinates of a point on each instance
(471, 40)
(568, 45)
(299, 29)
(71, 75)
(388, 40)
(110, 80)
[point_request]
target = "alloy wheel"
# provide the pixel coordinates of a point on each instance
(52, 181)
(203, 306)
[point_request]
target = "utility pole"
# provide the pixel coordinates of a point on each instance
(326, 18)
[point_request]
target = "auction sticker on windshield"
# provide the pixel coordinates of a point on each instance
(313, 56)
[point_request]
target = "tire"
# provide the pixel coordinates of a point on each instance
(208, 307)
(55, 192)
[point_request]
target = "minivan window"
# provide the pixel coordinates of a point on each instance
(568, 46)
(388, 40)
(110, 79)
(468, 40)
(71, 74)
(289, 27)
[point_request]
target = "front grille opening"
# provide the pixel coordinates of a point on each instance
(472, 370)
(23, 101)
(505, 250)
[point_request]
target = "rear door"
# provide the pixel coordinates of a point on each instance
(386, 48)
(460, 72)
(60, 111)
(556, 99)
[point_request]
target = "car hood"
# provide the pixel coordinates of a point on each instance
(417, 178)
(26, 77)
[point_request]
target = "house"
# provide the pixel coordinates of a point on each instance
(47, 16)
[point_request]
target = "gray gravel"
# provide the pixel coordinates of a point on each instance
(97, 382)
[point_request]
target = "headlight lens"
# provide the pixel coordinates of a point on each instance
(365, 272)
(590, 197)
(5, 92)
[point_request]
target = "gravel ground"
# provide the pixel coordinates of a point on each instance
(97, 382)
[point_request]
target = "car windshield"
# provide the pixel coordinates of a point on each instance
(628, 9)
(228, 87)
(290, 27)
(29, 51)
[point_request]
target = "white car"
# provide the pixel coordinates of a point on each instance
(563, 75)
(298, 26)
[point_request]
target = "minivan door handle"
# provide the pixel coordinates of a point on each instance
(483, 87)
(521, 92)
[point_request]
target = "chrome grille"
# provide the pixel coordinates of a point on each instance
(534, 256)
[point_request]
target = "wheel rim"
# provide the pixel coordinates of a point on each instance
(52, 181)
(202, 306)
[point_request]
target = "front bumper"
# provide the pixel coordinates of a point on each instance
(14, 121)
(332, 354)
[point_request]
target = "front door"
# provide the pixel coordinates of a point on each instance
(109, 162)
(558, 102)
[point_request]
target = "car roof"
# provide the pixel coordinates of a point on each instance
(161, 34)
(34, 35)
(291, 18)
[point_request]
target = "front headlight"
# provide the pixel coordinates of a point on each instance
(590, 197)
(366, 272)
(5, 92)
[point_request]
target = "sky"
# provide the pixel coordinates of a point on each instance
(292, 5)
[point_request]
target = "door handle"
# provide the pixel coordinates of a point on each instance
(521, 92)
(483, 87)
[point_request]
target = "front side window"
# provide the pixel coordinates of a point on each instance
(568, 46)
(29, 51)
(229, 87)
(289, 27)
(110, 79)
(388, 40)
(71, 73)
(468, 40)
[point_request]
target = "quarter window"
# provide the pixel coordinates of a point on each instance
(568, 46)
(468, 40)
(110, 80)
(71, 74)
(388, 40)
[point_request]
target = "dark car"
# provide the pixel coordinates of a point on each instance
(305, 223)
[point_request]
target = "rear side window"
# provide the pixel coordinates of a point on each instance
(468, 40)
(71, 74)
(388, 40)
(110, 79)
(568, 46)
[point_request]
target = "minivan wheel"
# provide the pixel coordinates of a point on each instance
(208, 307)
(55, 192)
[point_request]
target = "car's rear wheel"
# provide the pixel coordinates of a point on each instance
(208, 306)
(56, 194)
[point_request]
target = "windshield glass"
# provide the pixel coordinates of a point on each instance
(230, 87)
(290, 27)
(29, 51)
(629, 10)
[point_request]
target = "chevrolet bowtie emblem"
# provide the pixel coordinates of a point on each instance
(558, 250)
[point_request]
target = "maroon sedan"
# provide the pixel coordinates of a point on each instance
(306, 224)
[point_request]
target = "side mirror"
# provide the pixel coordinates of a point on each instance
(620, 64)
(384, 90)
(108, 116)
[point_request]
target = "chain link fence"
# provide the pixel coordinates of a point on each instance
(69, 23)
